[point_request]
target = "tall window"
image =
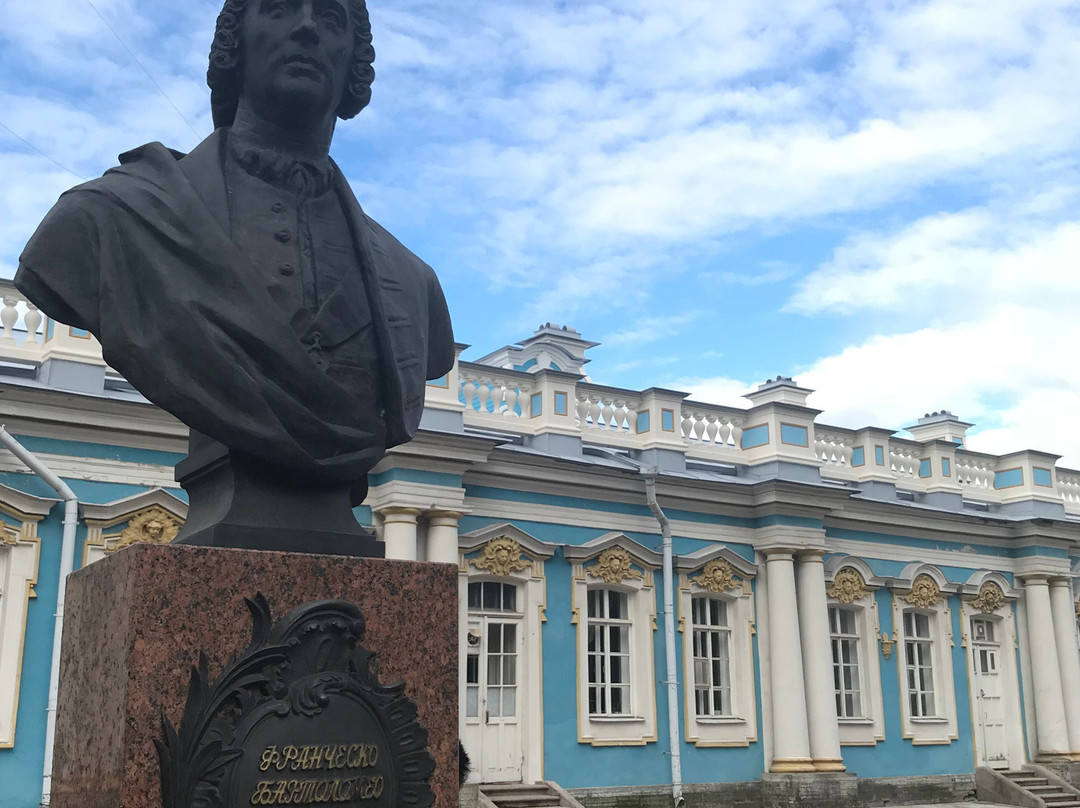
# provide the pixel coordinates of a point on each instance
(712, 657)
(608, 652)
(844, 631)
(918, 663)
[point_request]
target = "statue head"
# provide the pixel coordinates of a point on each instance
(225, 75)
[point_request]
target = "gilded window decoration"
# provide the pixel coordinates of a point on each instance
(717, 576)
(501, 556)
(847, 587)
(989, 599)
(153, 525)
(924, 592)
(614, 566)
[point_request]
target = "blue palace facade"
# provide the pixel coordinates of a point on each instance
(839, 606)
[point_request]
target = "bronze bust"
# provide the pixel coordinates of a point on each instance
(242, 288)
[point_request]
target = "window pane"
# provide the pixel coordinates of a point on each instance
(472, 699)
(494, 706)
(509, 701)
(595, 602)
(509, 670)
(472, 669)
(617, 606)
(509, 597)
(474, 596)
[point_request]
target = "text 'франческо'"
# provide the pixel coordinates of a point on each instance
(306, 791)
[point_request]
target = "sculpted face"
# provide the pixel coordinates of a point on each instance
(297, 55)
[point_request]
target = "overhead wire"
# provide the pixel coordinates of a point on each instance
(56, 163)
(153, 81)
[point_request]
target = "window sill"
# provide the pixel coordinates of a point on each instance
(856, 722)
(616, 719)
(719, 719)
(929, 720)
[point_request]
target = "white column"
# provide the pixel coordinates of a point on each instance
(791, 741)
(442, 537)
(1051, 730)
(817, 663)
(399, 532)
(1061, 605)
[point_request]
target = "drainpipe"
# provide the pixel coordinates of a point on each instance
(672, 673)
(67, 563)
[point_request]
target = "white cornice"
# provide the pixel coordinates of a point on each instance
(117, 511)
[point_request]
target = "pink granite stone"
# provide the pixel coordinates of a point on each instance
(135, 623)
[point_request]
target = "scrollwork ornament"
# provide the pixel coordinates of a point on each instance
(847, 587)
(501, 556)
(614, 566)
(306, 669)
(924, 592)
(717, 576)
(153, 525)
(989, 599)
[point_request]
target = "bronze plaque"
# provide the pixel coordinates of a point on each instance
(297, 719)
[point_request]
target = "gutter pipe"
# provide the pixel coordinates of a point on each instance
(67, 563)
(672, 673)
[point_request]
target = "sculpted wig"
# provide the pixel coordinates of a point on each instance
(225, 74)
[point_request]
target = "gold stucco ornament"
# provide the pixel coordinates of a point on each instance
(153, 525)
(848, 586)
(717, 576)
(614, 566)
(989, 599)
(501, 556)
(924, 592)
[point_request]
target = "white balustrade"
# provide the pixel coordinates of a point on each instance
(904, 459)
(705, 426)
(490, 394)
(833, 447)
(21, 333)
(1069, 485)
(975, 473)
(607, 409)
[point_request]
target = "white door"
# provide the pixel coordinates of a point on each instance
(493, 698)
(988, 690)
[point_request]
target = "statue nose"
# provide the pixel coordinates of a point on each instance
(306, 30)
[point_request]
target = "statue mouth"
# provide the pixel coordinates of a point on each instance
(305, 63)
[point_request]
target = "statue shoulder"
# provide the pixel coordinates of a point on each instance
(401, 258)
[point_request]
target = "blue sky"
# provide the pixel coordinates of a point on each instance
(877, 198)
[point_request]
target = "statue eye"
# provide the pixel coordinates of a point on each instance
(333, 17)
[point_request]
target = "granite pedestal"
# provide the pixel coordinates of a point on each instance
(136, 621)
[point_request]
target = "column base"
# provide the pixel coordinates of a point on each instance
(790, 765)
(1053, 757)
(829, 765)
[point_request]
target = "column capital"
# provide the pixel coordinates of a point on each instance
(1034, 578)
(779, 553)
(813, 554)
(438, 513)
(402, 514)
(1062, 580)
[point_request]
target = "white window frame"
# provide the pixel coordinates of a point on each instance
(869, 728)
(638, 726)
(941, 727)
(531, 581)
(20, 554)
(708, 634)
(609, 684)
(739, 728)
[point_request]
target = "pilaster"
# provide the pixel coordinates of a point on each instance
(1051, 728)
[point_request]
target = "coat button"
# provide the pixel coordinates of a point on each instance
(277, 207)
(285, 268)
(284, 236)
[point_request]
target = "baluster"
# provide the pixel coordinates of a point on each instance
(8, 317)
(32, 319)
(711, 428)
(510, 397)
(687, 425)
(468, 393)
(483, 394)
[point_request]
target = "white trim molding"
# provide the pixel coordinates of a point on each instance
(616, 563)
(717, 573)
(852, 585)
(922, 591)
(20, 554)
